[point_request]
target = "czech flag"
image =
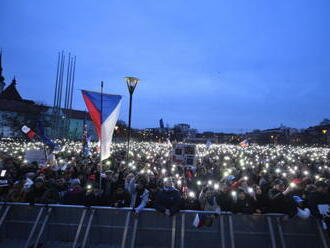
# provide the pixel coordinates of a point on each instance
(28, 132)
(104, 118)
(244, 143)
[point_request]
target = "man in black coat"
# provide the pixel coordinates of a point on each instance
(279, 200)
(318, 197)
(168, 199)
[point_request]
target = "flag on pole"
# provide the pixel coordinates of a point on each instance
(104, 118)
(47, 141)
(31, 134)
(28, 132)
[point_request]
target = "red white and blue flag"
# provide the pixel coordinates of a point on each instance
(104, 117)
(244, 143)
(28, 132)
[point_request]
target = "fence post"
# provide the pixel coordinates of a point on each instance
(222, 232)
(280, 231)
(42, 227)
(4, 215)
(183, 227)
(324, 242)
(271, 231)
(128, 217)
(88, 228)
(173, 231)
(231, 231)
(76, 238)
(34, 228)
(134, 232)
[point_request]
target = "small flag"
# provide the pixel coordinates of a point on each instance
(199, 220)
(244, 143)
(28, 132)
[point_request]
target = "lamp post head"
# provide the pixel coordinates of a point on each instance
(131, 83)
(324, 131)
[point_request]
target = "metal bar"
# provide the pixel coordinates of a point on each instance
(42, 227)
(129, 125)
(101, 137)
(271, 231)
(222, 232)
(127, 208)
(34, 228)
(183, 227)
(4, 215)
(88, 228)
(134, 232)
(173, 231)
(72, 81)
(56, 81)
(324, 242)
(231, 232)
(280, 231)
(123, 242)
(76, 238)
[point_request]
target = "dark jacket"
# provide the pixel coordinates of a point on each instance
(280, 203)
(316, 198)
(168, 198)
(245, 206)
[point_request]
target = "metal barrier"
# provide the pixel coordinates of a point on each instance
(39, 225)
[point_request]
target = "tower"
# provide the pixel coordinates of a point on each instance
(2, 79)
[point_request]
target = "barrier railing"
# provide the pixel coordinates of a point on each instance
(53, 225)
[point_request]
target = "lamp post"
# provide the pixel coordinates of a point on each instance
(324, 131)
(131, 84)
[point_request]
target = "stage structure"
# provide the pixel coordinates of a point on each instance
(62, 106)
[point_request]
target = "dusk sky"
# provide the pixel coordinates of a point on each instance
(218, 65)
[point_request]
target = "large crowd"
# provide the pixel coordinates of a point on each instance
(249, 180)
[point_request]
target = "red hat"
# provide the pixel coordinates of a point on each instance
(297, 181)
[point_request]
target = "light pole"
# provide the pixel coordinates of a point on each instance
(131, 84)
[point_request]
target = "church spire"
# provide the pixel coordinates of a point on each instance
(2, 79)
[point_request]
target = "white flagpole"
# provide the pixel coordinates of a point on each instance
(101, 134)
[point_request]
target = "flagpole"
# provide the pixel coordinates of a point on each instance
(101, 134)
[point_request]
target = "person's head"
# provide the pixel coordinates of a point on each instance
(279, 185)
(168, 183)
(244, 183)
(141, 183)
(257, 189)
(39, 182)
(209, 193)
(321, 187)
(109, 174)
(60, 182)
(241, 195)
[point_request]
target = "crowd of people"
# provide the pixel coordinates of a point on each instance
(249, 180)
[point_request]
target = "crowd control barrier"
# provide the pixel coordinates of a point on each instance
(39, 225)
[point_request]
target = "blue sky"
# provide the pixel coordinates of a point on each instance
(217, 65)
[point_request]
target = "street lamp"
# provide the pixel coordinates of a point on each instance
(131, 84)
